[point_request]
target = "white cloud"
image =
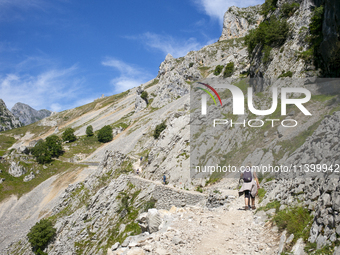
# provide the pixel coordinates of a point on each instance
(55, 89)
(168, 44)
(216, 8)
(130, 76)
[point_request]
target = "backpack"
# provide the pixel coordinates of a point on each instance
(247, 175)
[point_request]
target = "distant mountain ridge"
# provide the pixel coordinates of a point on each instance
(27, 115)
(7, 119)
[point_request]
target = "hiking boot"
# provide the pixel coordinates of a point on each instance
(253, 207)
(246, 208)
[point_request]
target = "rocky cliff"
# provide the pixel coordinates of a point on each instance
(238, 21)
(27, 115)
(7, 119)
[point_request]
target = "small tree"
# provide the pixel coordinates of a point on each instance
(218, 70)
(41, 152)
(144, 95)
(229, 70)
(68, 135)
(40, 234)
(53, 143)
(158, 130)
(89, 130)
(105, 134)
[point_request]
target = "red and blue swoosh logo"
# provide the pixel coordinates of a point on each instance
(213, 90)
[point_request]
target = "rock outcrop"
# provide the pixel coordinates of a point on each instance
(7, 119)
(238, 21)
(16, 169)
(27, 115)
(140, 103)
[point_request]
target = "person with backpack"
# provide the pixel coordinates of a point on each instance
(249, 187)
(164, 179)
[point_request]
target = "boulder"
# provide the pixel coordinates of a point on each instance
(154, 220)
(282, 241)
(29, 177)
(298, 248)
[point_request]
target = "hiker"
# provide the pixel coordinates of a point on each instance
(141, 158)
(249, 188)
(164, 179)
(137, 171)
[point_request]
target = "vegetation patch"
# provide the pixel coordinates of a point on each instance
(159, 129)
(105, 134)
(271, 205)
(154, 82)
(218, 70)
(44, 151)
(229, 70)
(40, 234)
(272, 32)
(286, 74)
(84, 145)
(288, 9)
(296, 220)
(261, 193)
(68, 135)
(268, 6)
(16, 186)
(6, 142)
(89, 130)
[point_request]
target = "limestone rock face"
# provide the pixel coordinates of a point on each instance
(238, 21)
(27, 115)
(7, 119)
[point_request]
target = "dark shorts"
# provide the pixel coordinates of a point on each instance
(247, 194)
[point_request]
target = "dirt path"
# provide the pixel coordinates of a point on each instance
(225, 230)
(235, 232)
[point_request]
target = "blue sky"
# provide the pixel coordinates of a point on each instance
(59, 54)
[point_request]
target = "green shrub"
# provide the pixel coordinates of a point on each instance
(316, 37)
(89, 130)
(288, 9)
(272, 32)
(199, 189)
(295, 221)
(144, 95)
(68, 135)
(229, 70)
(286, 74)
(105, 134)
(218, 70)
(191, 64)
(44, 151)
(54, 145)
(266, 54)
(158, 130)
(41, 152)
(40, 234)
(268, 6)
(261, 194)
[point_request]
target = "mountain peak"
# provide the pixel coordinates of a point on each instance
(27, 115)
